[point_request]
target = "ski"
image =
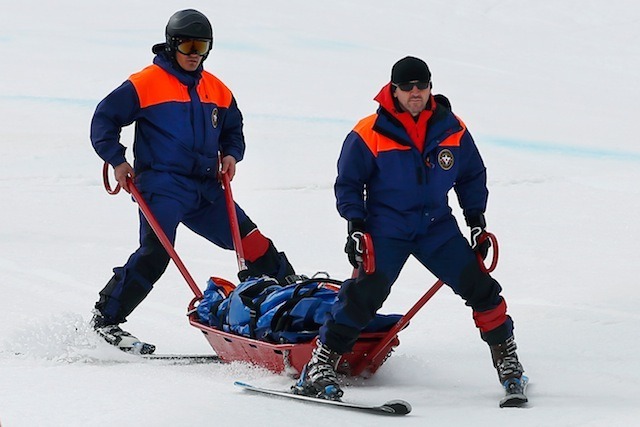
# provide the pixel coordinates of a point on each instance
(184, 358)
(393, 407)
(515, 396)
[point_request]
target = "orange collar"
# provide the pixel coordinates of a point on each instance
(416, 129)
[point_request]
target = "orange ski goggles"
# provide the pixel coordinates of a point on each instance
(197, 46)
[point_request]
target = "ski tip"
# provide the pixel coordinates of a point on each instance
(515, 401)
(515, 393)
(241, 384)
(399, 407)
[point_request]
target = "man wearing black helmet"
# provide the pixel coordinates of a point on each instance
(184, 118)
(394, 173)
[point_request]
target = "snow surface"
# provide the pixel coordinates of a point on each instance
(549, 90)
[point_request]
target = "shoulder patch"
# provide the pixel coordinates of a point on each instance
(446, 159)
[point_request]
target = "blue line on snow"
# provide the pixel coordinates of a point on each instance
(50, 99)
(512, 144)
(304, 119)
(559, 148)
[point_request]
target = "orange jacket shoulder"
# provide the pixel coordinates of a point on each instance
(376, 142)
(212, 90)
(454, 139)
(156, 86)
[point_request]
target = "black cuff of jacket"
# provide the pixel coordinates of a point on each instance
(355, 225)
(476, 221)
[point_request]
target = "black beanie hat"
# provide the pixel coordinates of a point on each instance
(409, 69)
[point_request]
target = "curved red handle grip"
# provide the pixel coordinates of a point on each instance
(369, 255)
(105, 180)
(494, 260)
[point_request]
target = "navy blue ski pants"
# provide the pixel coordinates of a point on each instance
(454, 262)
(132, 282)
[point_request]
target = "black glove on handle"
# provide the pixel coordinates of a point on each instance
(478, 227)
(355, 243)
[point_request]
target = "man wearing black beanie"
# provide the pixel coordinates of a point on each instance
(394, 173)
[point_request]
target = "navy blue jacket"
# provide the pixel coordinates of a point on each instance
(182, 121)
(400, 191)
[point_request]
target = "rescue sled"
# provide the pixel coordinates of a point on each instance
(287, 357)
(369, 352)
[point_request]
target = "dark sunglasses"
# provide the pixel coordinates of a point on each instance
(408, 87)
(199, 47)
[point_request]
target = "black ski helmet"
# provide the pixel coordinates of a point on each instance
(188, 23)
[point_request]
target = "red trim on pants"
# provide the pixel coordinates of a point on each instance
(489, 320)
(255, 245)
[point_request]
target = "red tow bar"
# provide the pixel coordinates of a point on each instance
(164, 240)
(375, 354)
(233, 221)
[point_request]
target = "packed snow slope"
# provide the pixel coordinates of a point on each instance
(548, 89)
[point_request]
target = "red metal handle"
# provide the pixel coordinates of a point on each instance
(494, 244)
(233, 221)
(369, 255)
(146, 211)
(105, 180)
(375, 353)
(155, 226)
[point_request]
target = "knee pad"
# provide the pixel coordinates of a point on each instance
(255, 245)
(271, 263)
(500, 334)
(491, 319)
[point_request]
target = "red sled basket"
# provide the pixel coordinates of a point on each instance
(369, 352)
(289, 358)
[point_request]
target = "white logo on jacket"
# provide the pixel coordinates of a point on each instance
(445, 159)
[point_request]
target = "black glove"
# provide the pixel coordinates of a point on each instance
(355, 244)
(478, 226)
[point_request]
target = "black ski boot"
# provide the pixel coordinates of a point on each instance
(510, 372)
(318, 377)
(114, 335)
(505, 360)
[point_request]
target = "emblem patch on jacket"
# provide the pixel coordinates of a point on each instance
(445, 159)
(214, 118)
